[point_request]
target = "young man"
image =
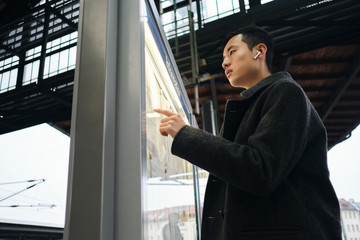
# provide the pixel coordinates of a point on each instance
(268, 171)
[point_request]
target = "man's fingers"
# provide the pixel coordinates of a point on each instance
(164, 130)
(167, 120)
(165, 134)
(165, 112)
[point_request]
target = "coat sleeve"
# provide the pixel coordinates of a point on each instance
(271, 152)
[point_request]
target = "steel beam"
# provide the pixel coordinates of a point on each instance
(254, 3)
(242, 6)
(198, 9)
(215, 105)
(44, 43)
(71, 24)
(341, 88)
(57, 97)
(178, 5)
(8, 49)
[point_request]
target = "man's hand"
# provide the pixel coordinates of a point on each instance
(171, 124)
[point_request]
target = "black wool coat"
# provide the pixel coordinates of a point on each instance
(268, 170)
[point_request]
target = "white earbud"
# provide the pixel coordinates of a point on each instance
(257, 55)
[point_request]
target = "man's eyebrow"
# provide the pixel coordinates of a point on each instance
(228, 50)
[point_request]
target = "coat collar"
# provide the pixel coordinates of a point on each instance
(264, 83)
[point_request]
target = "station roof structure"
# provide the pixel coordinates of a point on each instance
(318, 42)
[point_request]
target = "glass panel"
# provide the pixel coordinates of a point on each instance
(54, 63)
(35, 70)
(225, 6)
(5, 80)
(13, 78)
(46, 67)
(72, 58)
(209, 9)
(64, 59)
(27, 73)
(170, 201)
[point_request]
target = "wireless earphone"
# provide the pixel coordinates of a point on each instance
(256, 56)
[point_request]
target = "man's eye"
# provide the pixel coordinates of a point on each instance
(231, 52)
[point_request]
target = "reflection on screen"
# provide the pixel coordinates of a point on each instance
(170, 189)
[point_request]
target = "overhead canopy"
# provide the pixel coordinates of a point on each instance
(316, 41)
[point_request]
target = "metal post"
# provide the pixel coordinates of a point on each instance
(208, 119)
(242, 6)
(20, 75)
(254, 3)
(158, 5)
(215, 105)
(90, 209)
(176, 30)
(44, 42)
(198, 8)
(130, 171)
(194, 58)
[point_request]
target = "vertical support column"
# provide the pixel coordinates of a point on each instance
(44, 42)
(242, 6)
(194, 58)
(22, 54)
(130, 122)
(198, 9)
(176, 32)
(215, 105)
(208, 119)
(20, 75)
(254, 3)
(90, 198)
(158, 6)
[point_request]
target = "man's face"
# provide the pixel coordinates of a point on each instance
(238, 62)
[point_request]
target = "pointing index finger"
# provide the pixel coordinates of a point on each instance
(165, 112)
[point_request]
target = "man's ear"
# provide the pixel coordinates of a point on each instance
(262, 48)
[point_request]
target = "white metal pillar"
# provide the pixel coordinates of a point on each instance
(105, 170)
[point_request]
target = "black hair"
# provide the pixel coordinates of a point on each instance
(252, 36)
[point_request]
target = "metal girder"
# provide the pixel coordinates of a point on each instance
(242, 6)
(38, 117)
(343, 85)
(254, 3)
(198, 9)
(335, 6)
(158, 5)
(313, 39)
(215, 105)
(178, 5)
(43, 45)
(71, 24)
(57, 96)
(7, 49)
(307, 23)
(38, 19)
(5, 123)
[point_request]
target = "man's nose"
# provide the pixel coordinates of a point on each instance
(225, 63)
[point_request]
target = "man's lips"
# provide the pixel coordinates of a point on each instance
(227, 72)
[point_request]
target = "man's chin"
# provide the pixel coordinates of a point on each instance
(233, 83)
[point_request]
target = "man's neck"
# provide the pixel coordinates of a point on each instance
(259, 77)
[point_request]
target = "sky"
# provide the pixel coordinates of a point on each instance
(42, 152)
(39, 152)
(344, 167)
